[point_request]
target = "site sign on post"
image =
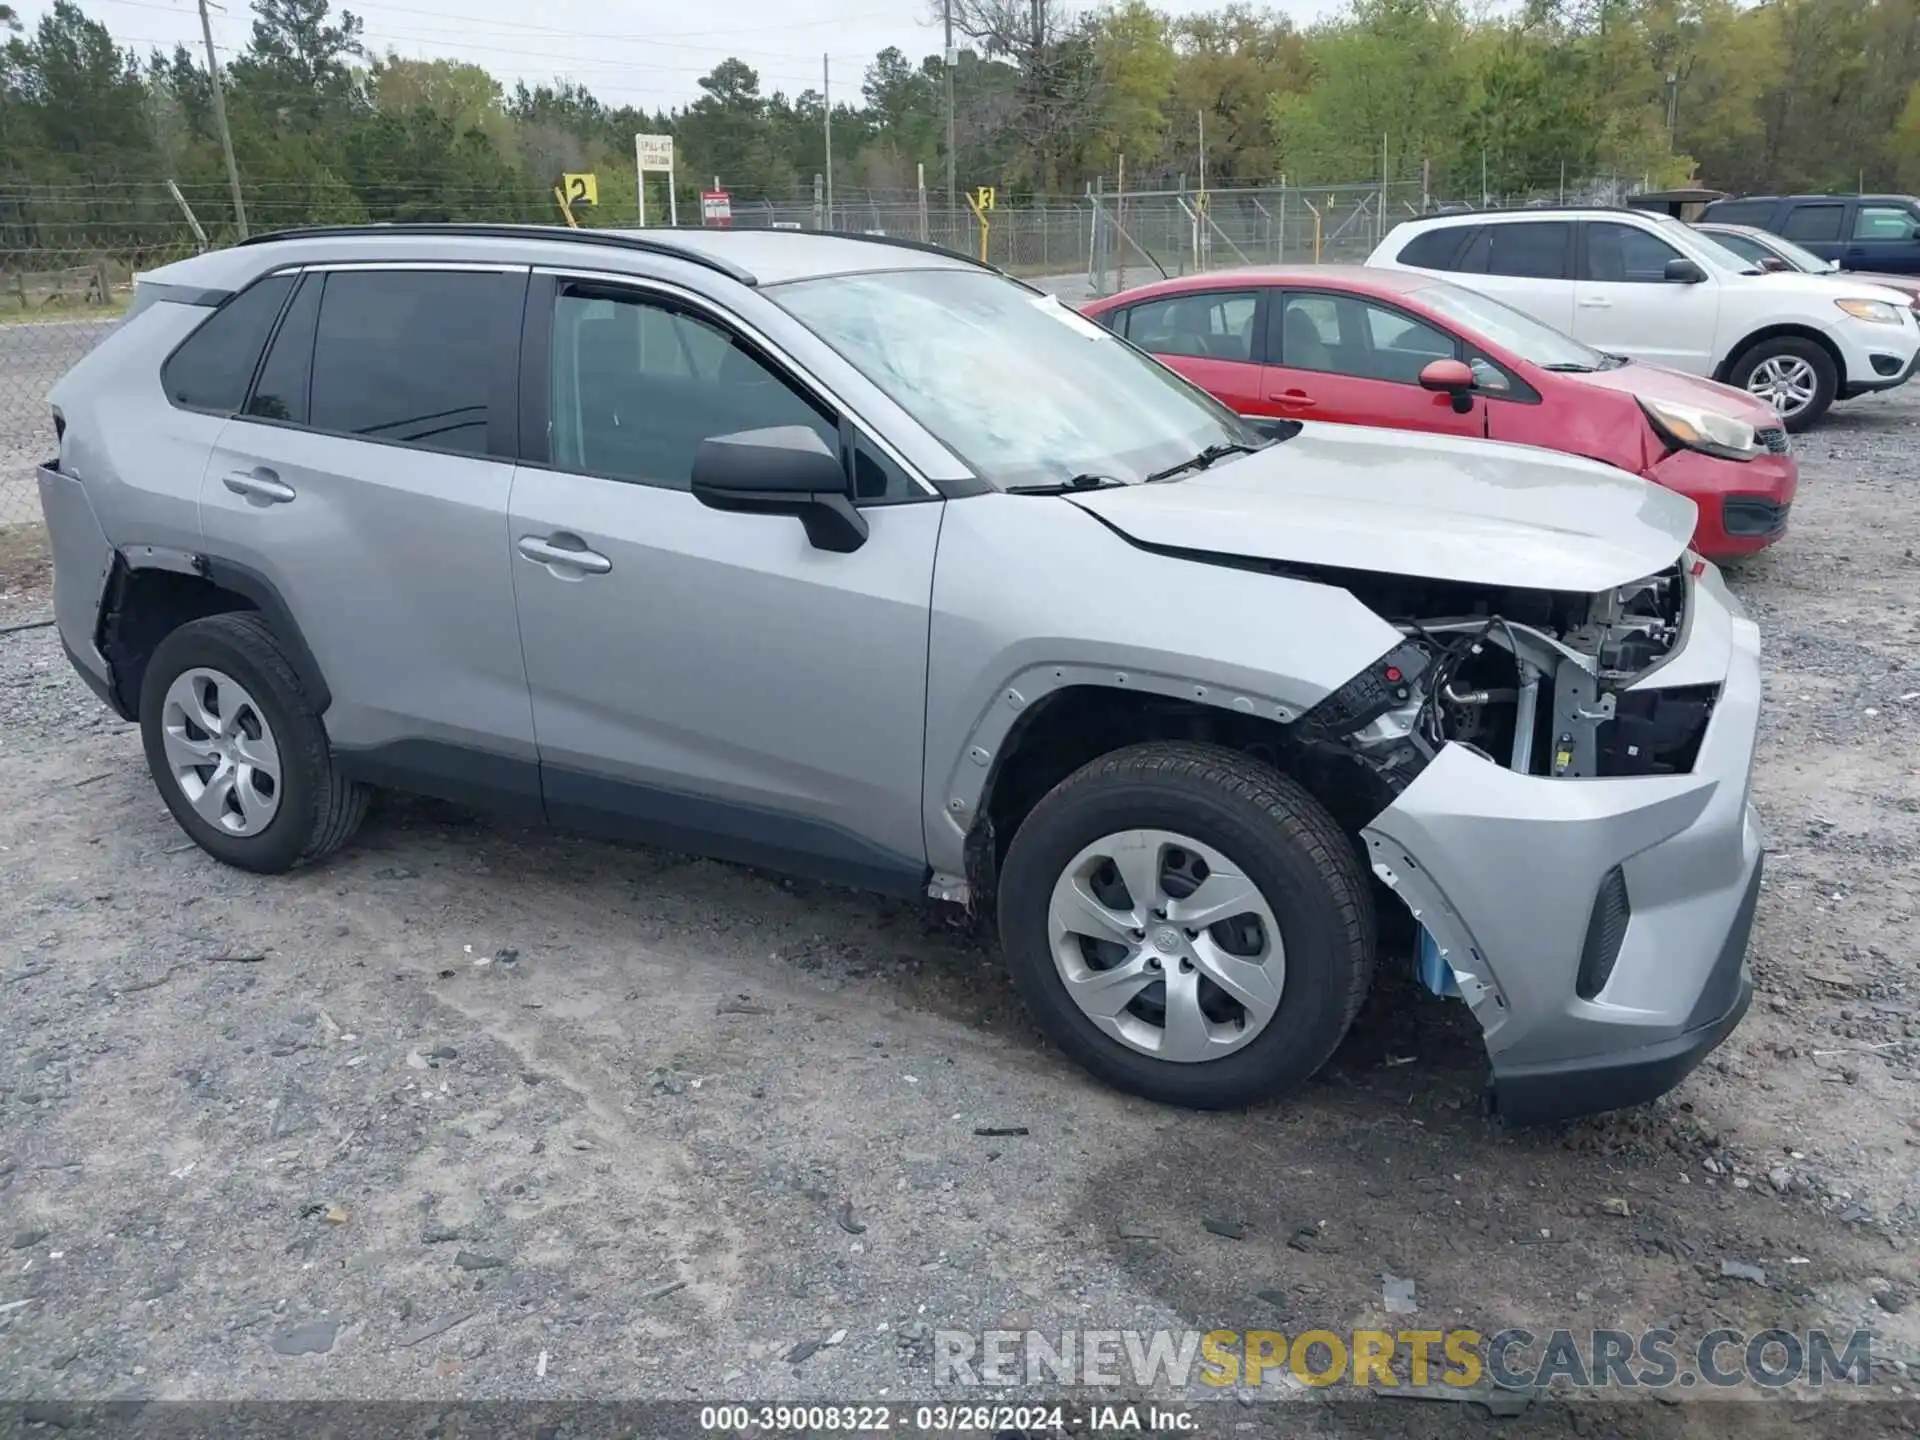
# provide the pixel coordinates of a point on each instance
(655, 152)
(716, 207)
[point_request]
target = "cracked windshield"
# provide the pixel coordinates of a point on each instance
(1021, 388)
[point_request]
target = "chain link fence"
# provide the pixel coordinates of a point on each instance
(68, 254)
(33, 354)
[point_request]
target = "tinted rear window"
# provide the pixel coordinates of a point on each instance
(211, 370)
(1535, 249)
(1814, 222)
(410, 357)
(1741, 212)
(1434, 249)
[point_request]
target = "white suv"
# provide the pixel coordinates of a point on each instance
(1643, 285)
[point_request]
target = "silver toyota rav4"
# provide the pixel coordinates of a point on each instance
(855, 559)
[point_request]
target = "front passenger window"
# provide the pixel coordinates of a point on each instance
(1626, 255)
(1884, 222)
(1342, 335)
(636, 388)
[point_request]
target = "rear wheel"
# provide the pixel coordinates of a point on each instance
(1188, 924)
(237, 751)
(1795, 376)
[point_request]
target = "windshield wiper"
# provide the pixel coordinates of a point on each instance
(1572, 367)
(1068, 487)
(1205, 458)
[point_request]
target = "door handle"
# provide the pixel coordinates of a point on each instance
(1294, 400)
(261, 484)
(548, 552)
(1596, 302)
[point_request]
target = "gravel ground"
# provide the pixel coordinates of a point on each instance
(476, 1111)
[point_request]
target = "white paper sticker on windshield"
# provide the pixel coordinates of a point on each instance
(1067, 316)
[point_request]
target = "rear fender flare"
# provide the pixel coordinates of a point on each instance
(251, 586)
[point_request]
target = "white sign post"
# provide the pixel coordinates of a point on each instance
(655, 152)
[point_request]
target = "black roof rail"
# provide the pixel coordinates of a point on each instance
(504, 231)
(900, 242)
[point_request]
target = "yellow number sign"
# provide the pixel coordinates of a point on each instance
(983, 198)
(581, 189)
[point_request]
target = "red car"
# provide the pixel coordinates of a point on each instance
(1412, 352)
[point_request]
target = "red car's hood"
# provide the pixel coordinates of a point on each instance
(1656, 382)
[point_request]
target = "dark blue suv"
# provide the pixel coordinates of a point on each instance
(1862, 232)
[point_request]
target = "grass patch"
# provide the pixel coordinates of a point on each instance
(12, 312)
(24, 561)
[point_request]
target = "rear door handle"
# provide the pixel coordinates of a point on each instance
(1294, 400)
(1596, 302)
(549, 551)
(261, 484)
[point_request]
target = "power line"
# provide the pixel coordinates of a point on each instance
(563, 32)
(572, 62)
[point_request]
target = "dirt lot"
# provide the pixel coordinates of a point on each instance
(643, 1126)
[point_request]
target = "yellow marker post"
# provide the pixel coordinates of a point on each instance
(566, 210)
(981, 203)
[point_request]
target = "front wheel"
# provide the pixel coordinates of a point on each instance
(1795, 376)
(1188, 924)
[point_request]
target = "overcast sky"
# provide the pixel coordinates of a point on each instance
(643, 55)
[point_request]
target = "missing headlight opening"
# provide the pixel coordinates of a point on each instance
(1535, 681)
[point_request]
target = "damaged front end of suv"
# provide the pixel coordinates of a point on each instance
(1565, 815)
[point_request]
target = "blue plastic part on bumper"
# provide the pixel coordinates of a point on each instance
(1434, 971)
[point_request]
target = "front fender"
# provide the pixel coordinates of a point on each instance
(1033, 595)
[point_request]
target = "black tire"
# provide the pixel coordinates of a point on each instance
(1826, 374)
(1288, 845)
(318, 811)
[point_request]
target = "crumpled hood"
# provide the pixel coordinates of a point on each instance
(1642, 380)
(1411, 504)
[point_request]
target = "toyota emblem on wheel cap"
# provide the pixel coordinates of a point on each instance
(1166, 938)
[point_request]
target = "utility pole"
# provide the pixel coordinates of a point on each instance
(826, 97)
(1380, 218)
(953, 197)
(1673, 105)
(220, 119)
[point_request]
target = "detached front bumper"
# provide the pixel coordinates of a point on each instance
(1598, 927)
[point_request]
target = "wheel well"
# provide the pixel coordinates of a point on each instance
(142, 608)
(1776, 332)
(1067, 729)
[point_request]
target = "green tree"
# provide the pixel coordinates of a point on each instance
(298, 66)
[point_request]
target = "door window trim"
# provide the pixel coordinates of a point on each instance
(535, 373)
(503, 413)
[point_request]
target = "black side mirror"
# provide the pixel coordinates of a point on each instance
(1682, 271)
(787, 470)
